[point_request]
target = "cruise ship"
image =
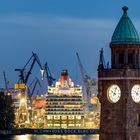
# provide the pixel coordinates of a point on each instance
(64, 104)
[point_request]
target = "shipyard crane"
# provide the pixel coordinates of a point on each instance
(89, 84)
(23, 114)
(50, 79)
(23, 77)
(92, 107)
(6, 83)
(34, 83)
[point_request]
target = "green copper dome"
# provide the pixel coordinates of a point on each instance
(125, 32)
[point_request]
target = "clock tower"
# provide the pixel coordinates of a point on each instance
(119, 86)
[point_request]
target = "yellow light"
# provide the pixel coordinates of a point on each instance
(22, 100)
(29, 107)
(78, 117)
(92, 113)
(20, 86)
(90, 119)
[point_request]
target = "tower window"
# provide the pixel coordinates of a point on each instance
(121, 58)
(130, 58)
(138, 119)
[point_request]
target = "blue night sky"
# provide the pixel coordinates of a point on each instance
(56, 30)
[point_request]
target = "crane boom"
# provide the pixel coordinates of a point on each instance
(50, 79)
(34, 87)
(6, 81)
(87, 81)
(82, 70)
(36, 59)
(24, 78)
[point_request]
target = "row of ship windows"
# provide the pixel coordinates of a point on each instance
(64, 113)
(70, 106)
(48, 99)
(63, 117)
(64, 103)
(63, 125)
(64, 109)
(62, 97)
(64, 121)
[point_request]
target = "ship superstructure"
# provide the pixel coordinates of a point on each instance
(64, 104)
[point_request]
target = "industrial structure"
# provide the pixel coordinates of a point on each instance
(64, 104)
(24, 94)
(91, 102)
(50, 78)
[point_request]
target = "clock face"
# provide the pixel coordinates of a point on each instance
(114, 93)
(135, 93)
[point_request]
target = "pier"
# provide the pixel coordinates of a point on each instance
(50, 131)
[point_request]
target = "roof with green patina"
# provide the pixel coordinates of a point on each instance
(125, 32)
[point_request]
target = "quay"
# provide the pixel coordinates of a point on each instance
(50, 131)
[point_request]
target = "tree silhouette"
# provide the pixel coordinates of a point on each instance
(7, 115)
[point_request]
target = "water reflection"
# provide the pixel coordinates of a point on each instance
(22, 137)
(52, 137)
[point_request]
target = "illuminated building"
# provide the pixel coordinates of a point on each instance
(38, 111)
(64, 104)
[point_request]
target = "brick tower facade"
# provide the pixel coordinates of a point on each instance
(119, 86)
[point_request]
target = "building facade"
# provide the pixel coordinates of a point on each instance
(119, 86)
(64, 104)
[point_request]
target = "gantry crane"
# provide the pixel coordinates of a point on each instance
(23, 115)
(23, 77)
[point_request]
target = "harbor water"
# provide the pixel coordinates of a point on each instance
(51, 137)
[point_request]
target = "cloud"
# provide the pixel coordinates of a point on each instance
(52, 22)
(62, 24)
(43, 34)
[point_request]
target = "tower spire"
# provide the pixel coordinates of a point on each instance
(125, 9)
(125, 32)
(101, 60)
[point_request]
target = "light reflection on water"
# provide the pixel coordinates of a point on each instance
(52, 137)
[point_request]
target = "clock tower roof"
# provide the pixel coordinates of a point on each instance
(125, 32)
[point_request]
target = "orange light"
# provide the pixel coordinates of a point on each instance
(8, 94)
